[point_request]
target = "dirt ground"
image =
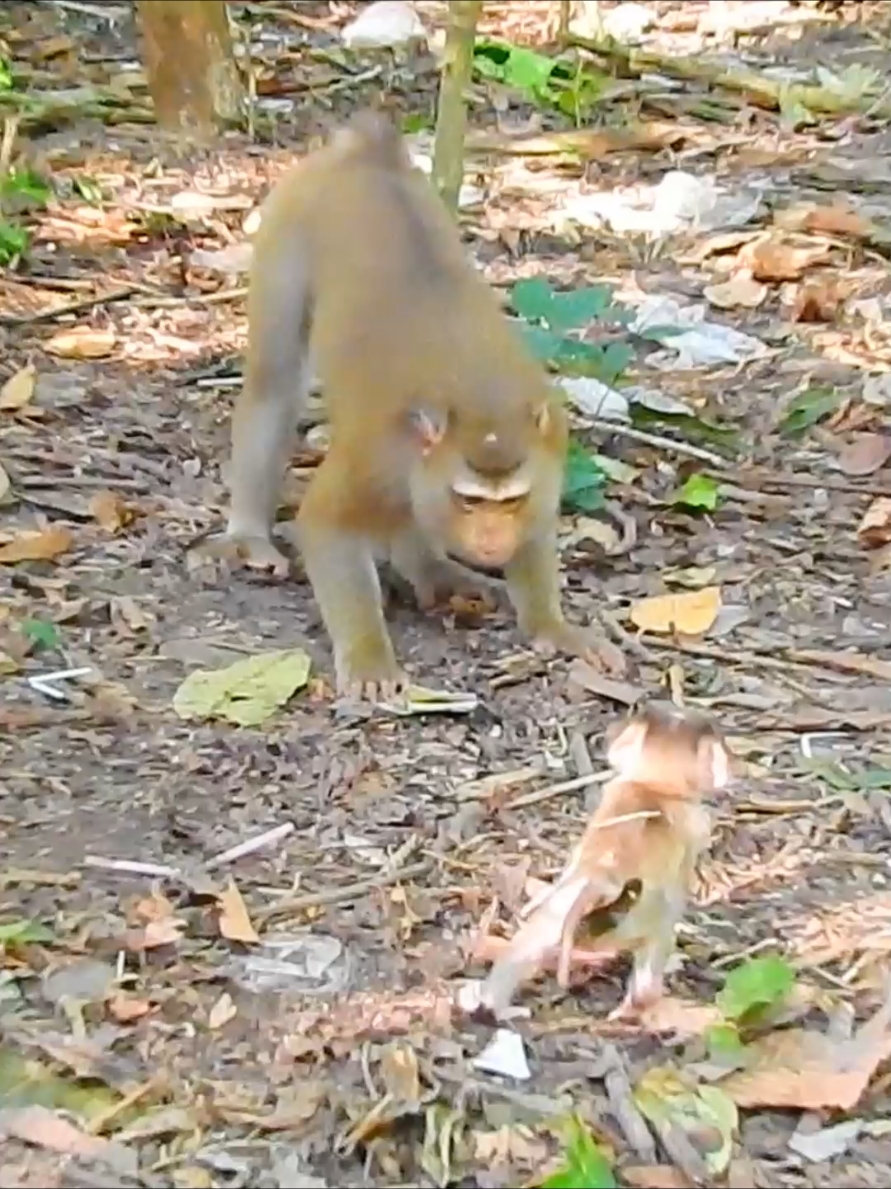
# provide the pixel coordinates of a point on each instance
(284, 1018)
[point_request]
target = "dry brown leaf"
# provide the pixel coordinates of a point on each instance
(235, 922)
(110, 511)
(824, 220)
(772, 259)
(741, 290)
(222, 1012)
(874, 529)
(19, 388)
(43, 1128)
(81, 342)
(41, 545)
(656, 1176)
(691, 612)
(864, 454)
(800, 1070)
(127, 1008)
(815, 301)
(4, 483)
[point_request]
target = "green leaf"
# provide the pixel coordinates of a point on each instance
(23, 932)
(757, 984)
(670, 1100)
(26, 184)
(699, 491)
(5, 75)
(14, 241)
(584, 1164)
(724, 1042)
(528, 71)
(41, 633)
(583, 480)
(532, 298)
(808, 408)
(543, 345)
(88, 189)
(246, 693)
(721, 436)
(577, 307)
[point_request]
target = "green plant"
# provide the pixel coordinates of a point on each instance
(584, 1164)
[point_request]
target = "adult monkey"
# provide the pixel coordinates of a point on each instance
(447, 440)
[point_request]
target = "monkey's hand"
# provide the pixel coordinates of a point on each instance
(583, 643)
(259, 553)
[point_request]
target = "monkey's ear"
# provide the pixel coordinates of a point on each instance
(718, 762)
(426, 427)
(626, 749)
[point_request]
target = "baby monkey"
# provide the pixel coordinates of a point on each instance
(447, 441)
(649, 829)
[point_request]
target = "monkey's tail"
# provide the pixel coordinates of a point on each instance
(372, 135)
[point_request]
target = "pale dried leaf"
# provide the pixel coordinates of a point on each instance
(109, 510)
(691, 613)
(874, 529)
(235, 921)
(742, 290)
(865, 454)
(41, 545)
(4, 483)
(772, 259)
(222, 1012)
(19, 388)
(81, 342)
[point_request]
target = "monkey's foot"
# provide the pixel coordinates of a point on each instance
(257, 552)
(582, 643)
(637, 1001)
(358, 683)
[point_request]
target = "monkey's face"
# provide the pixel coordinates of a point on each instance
(479, 496)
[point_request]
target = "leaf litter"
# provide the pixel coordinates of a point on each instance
(230, 936)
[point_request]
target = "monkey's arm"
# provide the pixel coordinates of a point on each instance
(533, 583)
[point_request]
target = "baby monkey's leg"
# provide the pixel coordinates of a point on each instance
(435, 578)
(650, 930)
(340, 564)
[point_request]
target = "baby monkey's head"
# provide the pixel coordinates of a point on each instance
(483, 487)
(681, 753)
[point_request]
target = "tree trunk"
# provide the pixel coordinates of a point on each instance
(192, 74)
(451, 114)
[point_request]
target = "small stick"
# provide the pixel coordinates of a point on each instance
(660, 443)
(276, 834)
(132, 867)
(352, 891)
(557, 790)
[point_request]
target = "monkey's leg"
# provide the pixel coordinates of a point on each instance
(533, 583)
(650, 929)
(275, 388)
(341, 567)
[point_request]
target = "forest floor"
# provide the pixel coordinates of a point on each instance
(284, 1018)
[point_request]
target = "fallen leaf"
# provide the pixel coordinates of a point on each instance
(44, 1128)
(586, 676)
(19, 388)
(741, 290)
(772, 259)
(127, 1008)
(864, 454)
(222, 1012)
(824, 220)
(246, 693)
(814, 301)
(235, 922)
(42, 545)
(81, 342)
(690, 613)
(810, 1071)
(875, 527)
(705, 1115)
(110, 511)
(4, 483)
(655, 1176)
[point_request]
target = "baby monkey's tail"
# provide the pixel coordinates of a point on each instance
(372, 136)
